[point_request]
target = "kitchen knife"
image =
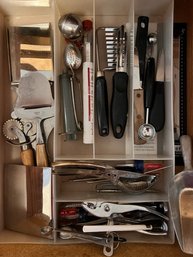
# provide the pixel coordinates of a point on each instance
(141, 42)
(119, 101)
(138, 100)
(157, 112)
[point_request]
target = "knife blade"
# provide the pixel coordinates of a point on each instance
(157, 112)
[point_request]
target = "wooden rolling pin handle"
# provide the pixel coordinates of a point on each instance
(27, 157)
(41, 155)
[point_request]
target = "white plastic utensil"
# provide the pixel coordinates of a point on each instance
(88, 85)
(113, 228)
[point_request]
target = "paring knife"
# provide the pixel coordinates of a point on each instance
(119, 101)
(157, 112)
(138, 100)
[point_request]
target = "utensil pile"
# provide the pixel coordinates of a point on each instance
(101, 222)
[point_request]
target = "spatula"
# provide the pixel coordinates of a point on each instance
(35, 102)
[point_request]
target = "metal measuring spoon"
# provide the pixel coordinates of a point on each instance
(147, 131)
(73, 60)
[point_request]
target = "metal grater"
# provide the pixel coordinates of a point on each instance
(111, 47)
(110, 35)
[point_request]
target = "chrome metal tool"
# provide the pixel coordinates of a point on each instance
(107, 209)
(130, 182)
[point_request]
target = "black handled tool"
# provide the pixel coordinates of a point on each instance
(101, 97)
(149, 83)
(157, 112)
(147, 131)
(141, 43)
(119, 101)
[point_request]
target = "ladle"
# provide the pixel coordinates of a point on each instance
(73, 60)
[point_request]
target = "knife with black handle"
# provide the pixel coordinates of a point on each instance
(119, 101)
(141, 43)
(157, 112)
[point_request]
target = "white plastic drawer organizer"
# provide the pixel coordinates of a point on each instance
(90, 100)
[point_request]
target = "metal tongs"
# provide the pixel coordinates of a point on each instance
(107, 209)
(130, 182)
(112, 210)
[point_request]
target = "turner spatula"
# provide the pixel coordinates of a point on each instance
(35, 102)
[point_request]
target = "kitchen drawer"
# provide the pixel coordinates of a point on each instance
(106, 150)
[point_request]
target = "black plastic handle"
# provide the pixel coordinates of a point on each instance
(141, 42)
(101, 100)
(157, 112)
(119, 104)
(149, 82)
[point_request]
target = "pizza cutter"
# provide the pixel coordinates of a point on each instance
(13, 130)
